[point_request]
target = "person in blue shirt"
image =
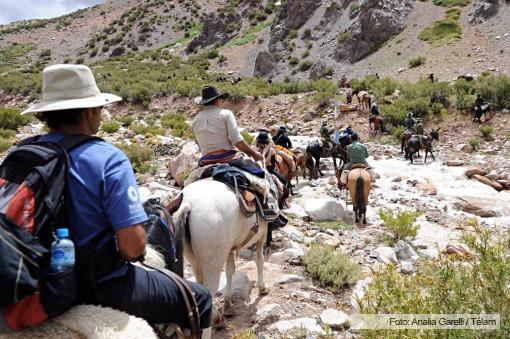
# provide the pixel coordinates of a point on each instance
(105, 205)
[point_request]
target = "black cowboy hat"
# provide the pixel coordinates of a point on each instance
(283, 128)
(211, 93)
(263, 138)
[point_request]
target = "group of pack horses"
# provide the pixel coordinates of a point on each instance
(209, 228)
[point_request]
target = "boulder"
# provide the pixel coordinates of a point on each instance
(190, 148)
(118, 51)
(268, 314)
(484, 180)
(264, 64)
(427, 188)
(476, 207)
(472, 171)
(407, 267)
(321, 209)
(483, 10)
(241, 285)
(466, 148)
(309, 324)
(326, 239)
(288, 278)
(293, 233)
(458, 250)
(181, 166)
(386, 255)
(335, 319)
(404, 251)
(217, 30)
(455, 163)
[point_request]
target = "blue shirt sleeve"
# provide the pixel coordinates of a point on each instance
(122, 204)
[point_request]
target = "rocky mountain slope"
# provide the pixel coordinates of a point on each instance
(298, 39)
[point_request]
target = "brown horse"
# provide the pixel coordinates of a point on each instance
(377, 124)
(359, 185)
(364, 100)
(284, 169)
(300, 163)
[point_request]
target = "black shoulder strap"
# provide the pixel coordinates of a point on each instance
(28, 140)
(74, 140)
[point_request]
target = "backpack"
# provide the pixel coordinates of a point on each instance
(33, 203)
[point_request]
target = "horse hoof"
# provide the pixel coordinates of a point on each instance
(263, 291)
(228, 312)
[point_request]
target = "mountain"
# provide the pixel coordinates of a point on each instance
(298, 39)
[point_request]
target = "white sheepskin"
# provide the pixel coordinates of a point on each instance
(91, 322)
(95, 322)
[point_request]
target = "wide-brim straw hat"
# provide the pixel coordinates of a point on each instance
(70, 87)
(210, 93)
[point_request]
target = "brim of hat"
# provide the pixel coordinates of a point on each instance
(223, 96)
(99, 100)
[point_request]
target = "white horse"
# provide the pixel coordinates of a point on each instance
(217, 230)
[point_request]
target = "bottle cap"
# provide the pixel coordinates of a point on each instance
(62, 233)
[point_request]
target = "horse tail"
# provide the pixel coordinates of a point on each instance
(360, 198)
(182, 234)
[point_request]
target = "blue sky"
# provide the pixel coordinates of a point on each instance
(15, 10)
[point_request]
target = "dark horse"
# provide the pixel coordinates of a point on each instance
(315, 152)
(418, 142)
(163, 236)
(479, 110)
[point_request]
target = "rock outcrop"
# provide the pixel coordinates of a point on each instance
(217, 30)
(483, 10)
(264, 64)
(373, 22)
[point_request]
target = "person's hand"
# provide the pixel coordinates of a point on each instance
(258, 156)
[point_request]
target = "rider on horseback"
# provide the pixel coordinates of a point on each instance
(479, 102)
(282, 139)
(409, 121)
(418, 127)
(357, 153)
(374, 111)
(283, 144)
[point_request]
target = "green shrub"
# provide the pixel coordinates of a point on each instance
(330, 224)
(110, 126)
(451, 3)
(495, 89)
(213, 54)
(401, 223)
(305, 65)
(247, 137)
(138, 154)
(10, 118)
(125, 120)
(6, 133)
(397, 131)
(474, 143)
(418, 61)
(294, 60)
(486, 130)
(475, 284)
(443, 31)
(330, 268)
(177, 123)
(343, 36)
(5, 144)
(353, 8)
(147, 129)
(328, 71)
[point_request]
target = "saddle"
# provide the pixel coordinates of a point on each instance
(355, 166)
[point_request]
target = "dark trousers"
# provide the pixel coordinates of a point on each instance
(152, 296)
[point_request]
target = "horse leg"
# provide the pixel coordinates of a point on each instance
(432, 154)
(259, 260)
(229, 273)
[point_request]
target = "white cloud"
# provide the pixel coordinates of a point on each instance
(15, 10)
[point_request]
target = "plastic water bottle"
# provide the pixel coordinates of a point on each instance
(62, 251)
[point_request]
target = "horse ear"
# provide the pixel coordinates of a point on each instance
(437, 130)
